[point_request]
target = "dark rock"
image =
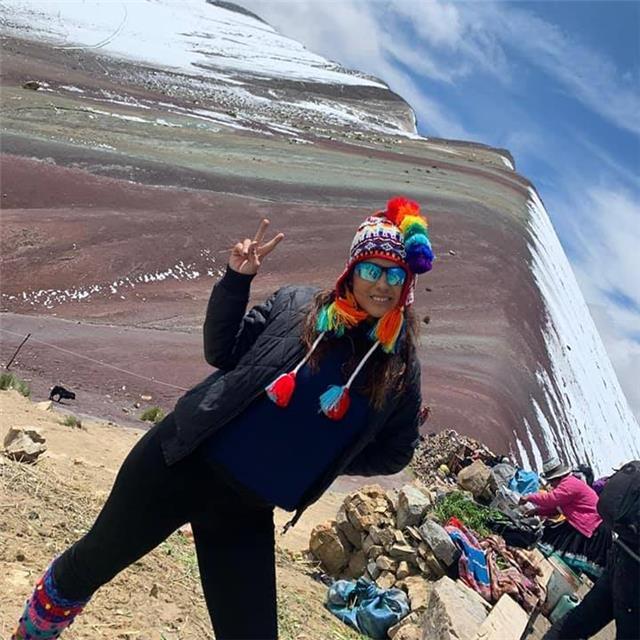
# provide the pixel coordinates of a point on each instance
(439, 541)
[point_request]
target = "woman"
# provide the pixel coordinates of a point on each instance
(258, 433)
(581, 539)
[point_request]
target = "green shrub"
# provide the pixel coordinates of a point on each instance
(71, 421)
(6, 381)
(152, 414)
(473, 515)
(11, 381)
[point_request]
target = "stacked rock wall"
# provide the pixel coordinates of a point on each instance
(386, 537)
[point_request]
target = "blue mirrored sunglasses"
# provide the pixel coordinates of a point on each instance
(371, 272)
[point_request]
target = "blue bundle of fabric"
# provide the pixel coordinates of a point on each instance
(472, 564)
(367, 608)
(525, 482)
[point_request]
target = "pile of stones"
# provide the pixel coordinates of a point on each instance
(24, 444)
(393, 539)
(445, 448)
(387, 537)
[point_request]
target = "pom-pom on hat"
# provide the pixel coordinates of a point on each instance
(405, 214)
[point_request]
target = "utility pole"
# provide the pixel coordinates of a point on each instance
(13, 357)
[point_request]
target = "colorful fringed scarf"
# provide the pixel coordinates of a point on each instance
(399, 234)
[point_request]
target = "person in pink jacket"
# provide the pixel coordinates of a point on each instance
(581, 538)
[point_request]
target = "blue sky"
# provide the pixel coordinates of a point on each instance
(556, 83)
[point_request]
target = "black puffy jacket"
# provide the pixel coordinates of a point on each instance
(250, 350)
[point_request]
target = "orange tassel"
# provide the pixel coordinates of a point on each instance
(388, 328)
(348, 310)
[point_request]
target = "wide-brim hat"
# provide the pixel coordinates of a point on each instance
(553, 469)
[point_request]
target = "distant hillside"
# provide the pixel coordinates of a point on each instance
(137, 156)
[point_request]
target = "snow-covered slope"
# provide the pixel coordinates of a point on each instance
(216, 54)
(587, 416)
(192, 36)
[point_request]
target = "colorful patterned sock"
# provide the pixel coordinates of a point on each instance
(47, 613)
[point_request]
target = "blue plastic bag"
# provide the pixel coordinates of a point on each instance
(525, 482)
(367, 608)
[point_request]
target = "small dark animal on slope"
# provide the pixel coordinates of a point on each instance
(62, 393)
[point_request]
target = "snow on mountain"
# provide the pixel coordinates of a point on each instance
(203, 70)
(193, 36)
(588, 415)
(218, 54)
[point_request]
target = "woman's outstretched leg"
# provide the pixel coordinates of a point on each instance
(148, 501)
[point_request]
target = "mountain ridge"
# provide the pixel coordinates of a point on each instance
(146, 175)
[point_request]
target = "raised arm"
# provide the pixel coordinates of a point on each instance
(548, 503)
(228, 331)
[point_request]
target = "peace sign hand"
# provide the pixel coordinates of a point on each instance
(246, 256)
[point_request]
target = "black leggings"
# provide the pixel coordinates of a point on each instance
(234, 537)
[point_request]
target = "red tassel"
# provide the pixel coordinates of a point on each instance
(338, 412)
(282, 388)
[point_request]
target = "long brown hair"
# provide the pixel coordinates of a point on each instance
(384, 372)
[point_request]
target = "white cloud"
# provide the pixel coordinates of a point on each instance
(420, 61)
(444, 41)
(588, 75)
(437, 22)
(432, 116)
(608, 237)
(623, 352)
(621, 172)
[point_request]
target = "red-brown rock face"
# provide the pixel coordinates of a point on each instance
(125, 182)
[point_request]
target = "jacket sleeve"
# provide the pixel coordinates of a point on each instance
(228, 332)
(549, 503)
(393, 447)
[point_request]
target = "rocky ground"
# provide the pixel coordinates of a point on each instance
(45, 507)
(357, 527)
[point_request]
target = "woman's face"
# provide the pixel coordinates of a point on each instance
(378, 297)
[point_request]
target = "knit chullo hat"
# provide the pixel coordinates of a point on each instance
(398, 234)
